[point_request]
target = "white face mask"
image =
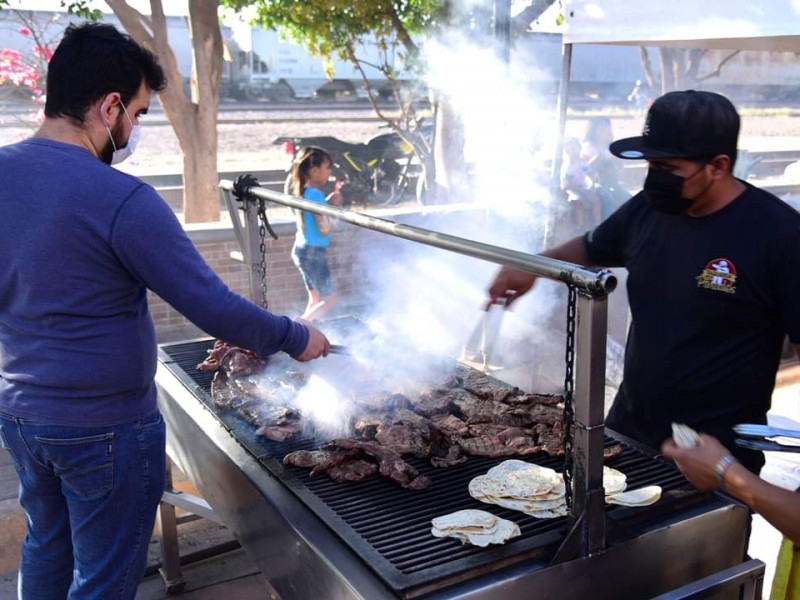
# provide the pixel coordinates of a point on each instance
(120, 154)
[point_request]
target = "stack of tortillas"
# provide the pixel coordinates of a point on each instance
(476, 527)
(539, 491)
(615, 484)
(516, 484)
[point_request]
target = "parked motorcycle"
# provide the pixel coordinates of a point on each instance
(380, 171)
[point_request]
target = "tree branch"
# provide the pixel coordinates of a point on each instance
(402, 32)
(522, 21)
(718, 70)
(644, 59)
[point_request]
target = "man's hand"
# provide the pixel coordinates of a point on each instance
(697, 464)
(318, 345)
(508, 285)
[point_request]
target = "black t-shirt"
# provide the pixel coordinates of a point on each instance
(711, 299)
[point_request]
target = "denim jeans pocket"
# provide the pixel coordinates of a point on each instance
(152, 421)
(4, 442)
(85, 464)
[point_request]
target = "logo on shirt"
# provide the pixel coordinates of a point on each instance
(719, 275)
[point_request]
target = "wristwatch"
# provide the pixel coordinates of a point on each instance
(722, 466)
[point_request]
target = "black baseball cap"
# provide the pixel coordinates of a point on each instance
(686, 124)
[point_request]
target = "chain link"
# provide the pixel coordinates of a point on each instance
(262, 249)
(569, 384)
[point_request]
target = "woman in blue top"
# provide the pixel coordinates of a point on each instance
(310, 175)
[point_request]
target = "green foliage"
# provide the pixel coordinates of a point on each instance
(80, 8)
(327, 26)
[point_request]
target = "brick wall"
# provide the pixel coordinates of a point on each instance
(285, 291)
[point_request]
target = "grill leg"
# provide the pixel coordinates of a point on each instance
(170, 555)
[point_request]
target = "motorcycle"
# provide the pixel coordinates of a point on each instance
(379, 171)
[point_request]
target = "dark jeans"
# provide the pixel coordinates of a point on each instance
(90, 495)
(312, 261)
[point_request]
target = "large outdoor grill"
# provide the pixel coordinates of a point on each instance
(316, 538)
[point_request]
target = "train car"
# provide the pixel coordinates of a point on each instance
(262, 65)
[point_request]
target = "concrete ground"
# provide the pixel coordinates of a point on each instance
(232, 574)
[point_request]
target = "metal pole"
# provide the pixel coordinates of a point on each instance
(502, 30)
(555, 172)
(248, 234)
(596, 282)
(588, 431)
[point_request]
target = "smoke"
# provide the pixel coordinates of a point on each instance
(508, 135)
(425, 302)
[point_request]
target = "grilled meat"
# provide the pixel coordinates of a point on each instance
(280, 433)
(354, 470)
(438, 401)
(612, 452)
(305, 458)
(468, 414)
(546, 399)
(236, 361)
(450, 425)
(389, 462)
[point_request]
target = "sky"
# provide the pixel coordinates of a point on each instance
(171, 7)
(180, 7)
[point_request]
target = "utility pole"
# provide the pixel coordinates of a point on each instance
(502, 30)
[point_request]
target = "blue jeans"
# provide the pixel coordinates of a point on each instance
(90, 495)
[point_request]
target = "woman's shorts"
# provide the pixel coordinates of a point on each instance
(312, 261)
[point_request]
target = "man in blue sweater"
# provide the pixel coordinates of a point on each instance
(80, 245)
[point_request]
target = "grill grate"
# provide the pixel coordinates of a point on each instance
(389, 527)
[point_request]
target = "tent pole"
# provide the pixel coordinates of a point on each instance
(555, 174)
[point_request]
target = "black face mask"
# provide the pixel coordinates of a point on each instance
(664, 191)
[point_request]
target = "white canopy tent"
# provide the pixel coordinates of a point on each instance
(770, 25)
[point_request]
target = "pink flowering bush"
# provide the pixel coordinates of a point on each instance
(26, 73)
(17, 72)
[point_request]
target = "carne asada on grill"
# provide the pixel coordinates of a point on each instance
(467, 414)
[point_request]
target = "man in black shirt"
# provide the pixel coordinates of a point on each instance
(713, 283)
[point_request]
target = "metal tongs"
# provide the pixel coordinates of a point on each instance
(753, 432)
(339, 349)
(480, 347)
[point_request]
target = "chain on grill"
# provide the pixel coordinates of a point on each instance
(569, 383)
(262, 250)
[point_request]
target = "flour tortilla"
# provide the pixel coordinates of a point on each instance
(550, 507)
(505, 531)
(638, 497)
(515, 479)
(684, 436)
(479, 521)
(614, 481)
(549, 514)
(476, 527)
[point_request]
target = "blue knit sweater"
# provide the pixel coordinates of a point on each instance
(80, 244)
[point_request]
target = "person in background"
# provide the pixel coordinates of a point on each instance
(639, 97)
(603, 167)
(704, 343)
(583, 205)
(80, 244)
(710, 466)
(310, 174)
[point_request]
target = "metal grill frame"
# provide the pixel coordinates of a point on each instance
(587, 536)
(438, 562)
